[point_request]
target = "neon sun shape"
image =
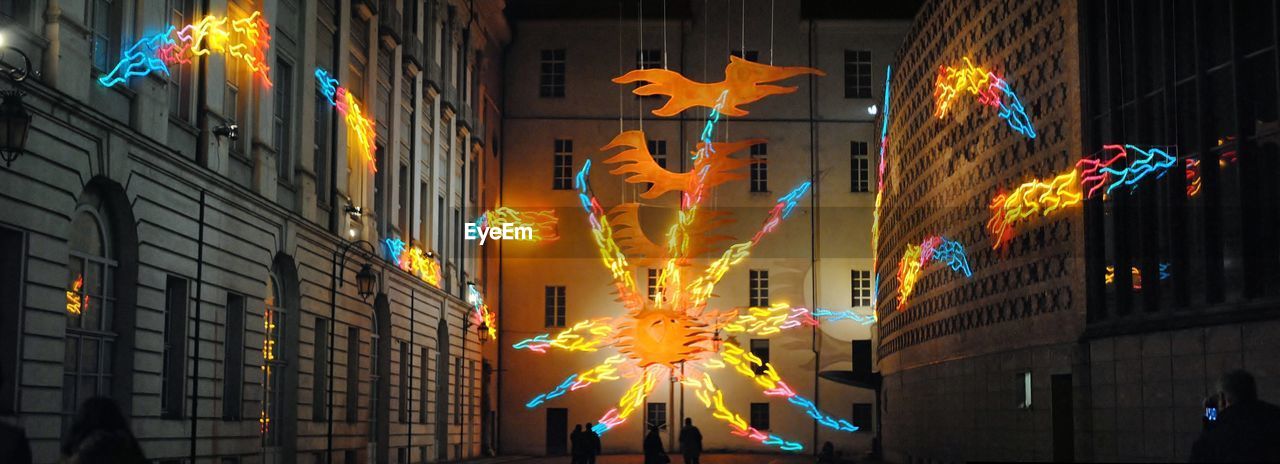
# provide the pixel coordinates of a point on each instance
(675, 333)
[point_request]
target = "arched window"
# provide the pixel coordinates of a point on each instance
(274, 363)
(90, 341)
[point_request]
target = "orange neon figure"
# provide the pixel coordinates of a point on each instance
(675, 332)
(745, 81)
(542, 223)
(1034, 196)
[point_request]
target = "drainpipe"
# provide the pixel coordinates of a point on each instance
(815, 342)
(52, 33)
(195, 367)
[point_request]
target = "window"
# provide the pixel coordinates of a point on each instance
(554, 307)
(658, 148)
(758, 288)
(457, 390)
(323, 148)
(231, 103)
(12, 254)
(760, 416)
(562, 167)
(273, 359)
(353, 373)
(281, 124)
(760, 348)
(104, 25)
(859, 167)
(648, 58)
(180, 12)
(862, 417)
(233, 359)
(857, 74)
(173, 382)
(402, 455)
(406, 192)
(652, 287)
(759, 170)
(320, 370)
(655, 415)
(551, 75)
(424, 193)
(440, 225)
(860, 282)
(422, 386)
(405, 377)
(749, 55)
(375, 376)
(90, 341)
(1024, 390)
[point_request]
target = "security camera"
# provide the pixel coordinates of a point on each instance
(230, 131)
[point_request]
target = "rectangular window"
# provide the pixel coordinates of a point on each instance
(859, 167)
(231, 103)
(402, 456)
(862, 417)
(860, 283)
(554, 316)
(562, 167)
(406, 192)
(405, 377)
(760, 348)
(104, 25)
(422, 385)
(233, 359)
(760, 416)
(652, 286)
(424, 214)
(758, 287)
(12, 254)
(655, 414)
(457, 390)
(282, 123)
(180, 73)
(857, 74)
(173, 382)
(1024, 390)
(658, 148)
(759, 170)
(322, 149)
(648, 58)
(749, 55)
(551, 74)
(353, 373)
(440, 225)
(320, 370)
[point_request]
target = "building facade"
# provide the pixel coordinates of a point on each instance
(561, 110)
(1096, 330)
(151, 256)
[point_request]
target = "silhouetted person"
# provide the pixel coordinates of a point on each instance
(1247, 430)
(578, 445)
(593, 443)
(828, 454)
(100, 434)
(653, 452)
(690, 442)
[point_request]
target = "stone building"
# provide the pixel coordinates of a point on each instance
(561, 109)
(1097, 331)
(149, 256)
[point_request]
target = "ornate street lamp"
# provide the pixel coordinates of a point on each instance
(14, 122)
(14, 118)
(366, 279)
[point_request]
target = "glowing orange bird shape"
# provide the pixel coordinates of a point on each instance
(745, 81)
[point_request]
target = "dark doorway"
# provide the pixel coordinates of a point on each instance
(557, 431)
(1064, 441)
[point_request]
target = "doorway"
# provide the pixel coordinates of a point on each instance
(1064, 442)
(557, 431)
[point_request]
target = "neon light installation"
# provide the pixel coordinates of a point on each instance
(360, 128)
(915, 257)
(676, 333)
(246, 40)
(268, 357)
(76, 298)
(414, 260)
(1112, 169)
(990, 90)
(481, 317)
